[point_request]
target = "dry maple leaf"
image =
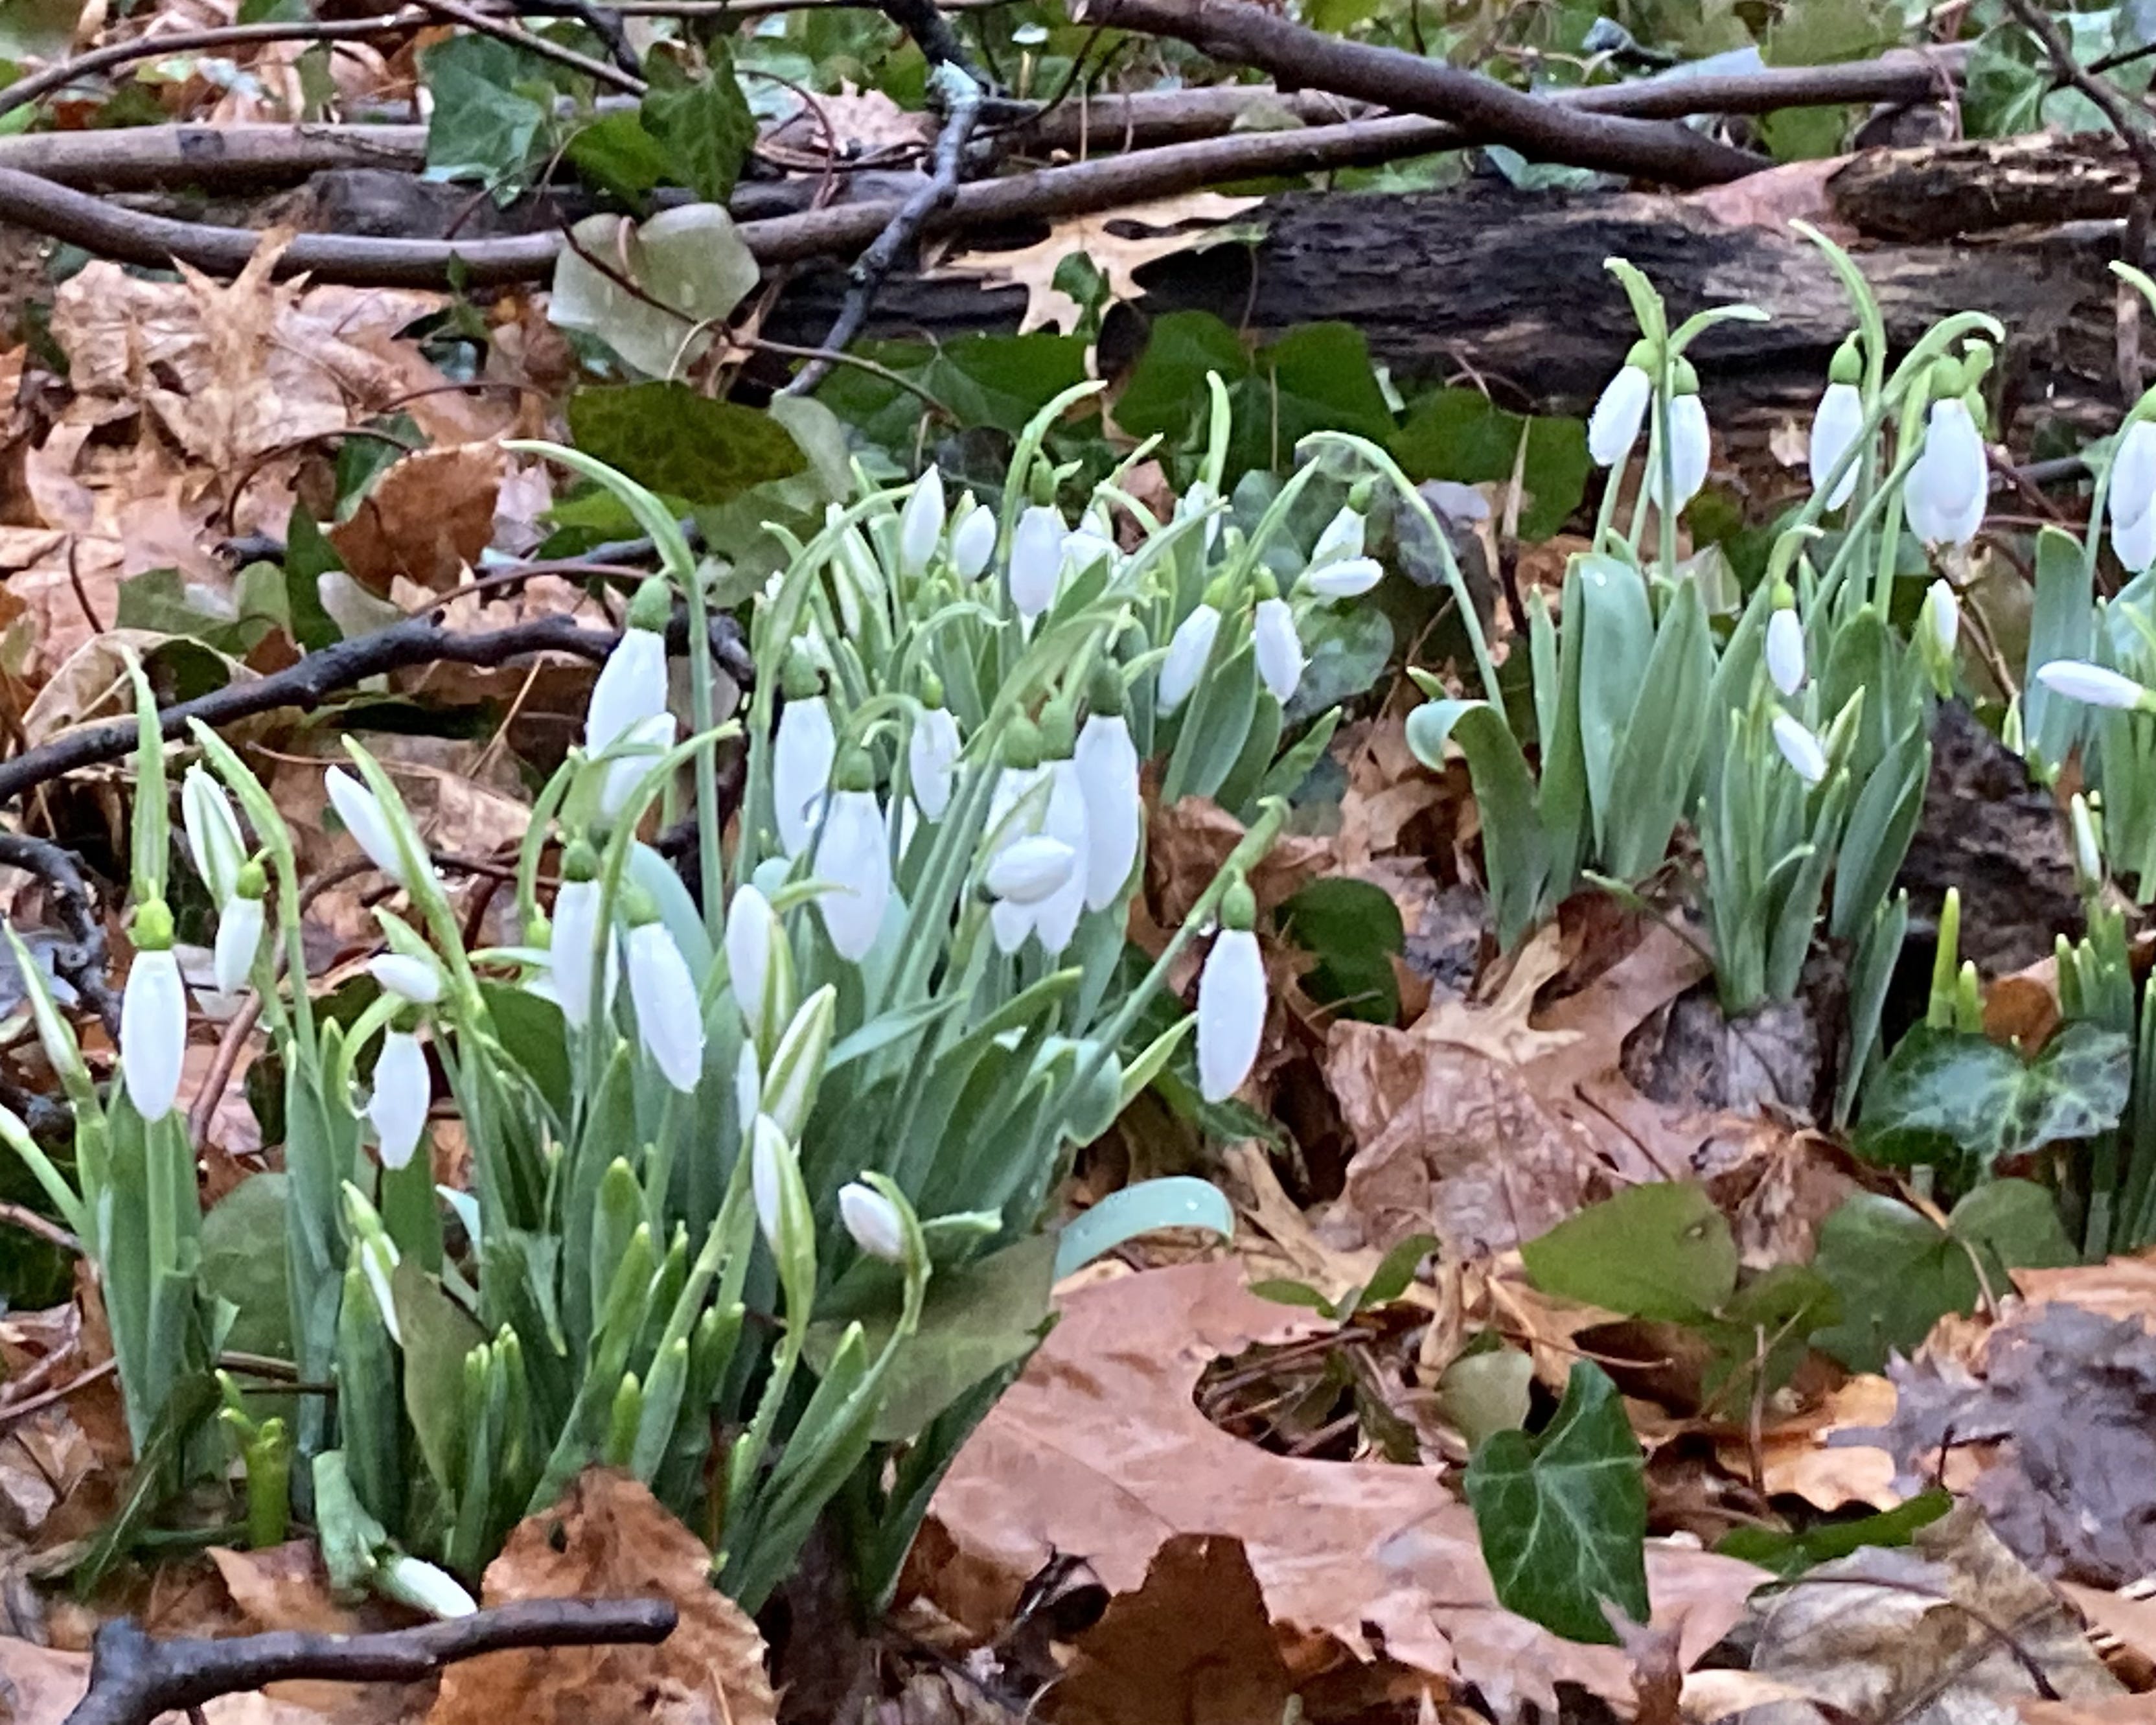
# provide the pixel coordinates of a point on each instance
(1098, 1450)
(1118, 255)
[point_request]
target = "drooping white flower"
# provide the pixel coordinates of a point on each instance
(1028, 871)
(417, 980)
(1690, 449)
(872, 1220)
(1231, 1013)
(1107, 763)
(1093, 538)
(212, 830)
(669, 1020)
(2092, 685)
(748, 1083)
(1836, 428)
(1036, 560)
(410, 1581)
(1278, 649)
(238, 938)
(2134, 543)
(636, 751)
(1350, 578)
(932, 757)
(362, 813)
(1055, 918)
(1942, 617)
(802, 753)
(766, 1176)
(1947, 489)
(921, 524)
(402, 1092)
(974, 542)
(2131, 493)
(1799, 748)
(1187, 650)
(1342, 541)
(153, 1032)
(630, 691)
(751, 931)
(854, 855)
(572, 952)
(1785, 650)
(1614, 426)
(2088, 850)
(1199, 500)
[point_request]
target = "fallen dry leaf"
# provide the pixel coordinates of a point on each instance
(427, 518)
(1099, 1450)
(611, 1539)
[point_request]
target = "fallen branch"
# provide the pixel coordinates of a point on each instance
(420, 641)
(134, 1679)
(85, 962)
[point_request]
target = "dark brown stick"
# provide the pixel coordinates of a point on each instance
(134, 1679)
(83, 962)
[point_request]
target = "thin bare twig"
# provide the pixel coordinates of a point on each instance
(629, 82)
(604, 21)
(25, 1220)
(85, 962)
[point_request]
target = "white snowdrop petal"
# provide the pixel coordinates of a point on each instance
(1107, 761)
(1350, 578)
(1009, 921)
(1027, 872)
(1946, 490)
(1055, 918)
(403, 1091)
(1785, 651)
(2093, 685)
(1036, 560)
(213, 831)
(2132, 489)
(669, 1020)
(767, 1148)
(631, 688)
(1614, 426)
(424, 1588)
(1231, 1013)
(637, 751)
(1690, 448)
(801, 756)
(974, 542)
(1942, 616)
(751, 927)
(872, 1220)
(572, 948)
(413, 979)
(748, 1083)
(153, 1034)
(921, 524)
(854, 855)
(1342, 541)
(238, 938)
(1279, 648)
(1835, 427)
(1187, 650)
(2135, 543)
(1799, 748)
(932, 757)
(363, 819)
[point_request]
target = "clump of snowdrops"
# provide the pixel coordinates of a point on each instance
(1794, 739)
(722, 1145)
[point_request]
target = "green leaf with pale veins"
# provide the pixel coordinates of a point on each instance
(702, 124)
(1946, 1094)
(1563, 1517)
(1661, 1252)
(681, 444)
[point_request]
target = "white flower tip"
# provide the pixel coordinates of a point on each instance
(1785, 651)
(1800, 749)
(873, 1221)
(2092, 685)
(412, 979)
(1029, 870)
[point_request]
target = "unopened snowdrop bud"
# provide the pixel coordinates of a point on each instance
(873, 1221)
(1188, 651)
(974, 542)
(921, 524)
(1785, 650)
(632, 684)
(802, 753)
(1690, 443)
(670, 1021)
(1278, 649)
(1613, 427)
(417, 980)
(1803, 751)
(2094, 685)
(766, 1176)
(363, 818)
(572, 946)
(1947, 489)
(1036, 560)
(1107, 763)
(402, 1092)
(1350, 578)
(748, 1084)
(783, 1210)
(239, 929)
(375, 1254)
(931, 752)
(1835, 427)
(153, 1016)
(423, 1587)
(639, 749)
(1342, 541)
(1231, 1000)
(853, 856)
(2088, 845)
(1941, 620)
(212, 830)
(1028, 871)
(760, 965)
(795, 1067)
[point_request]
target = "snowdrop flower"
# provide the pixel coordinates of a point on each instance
(238, 939)
(636, 751)
(772, 1169)
(1799, 748)
(1107, 763)
(1278, 649)
(752, 939)
(1947, 489)
(2088, 848)
(572, 946)
(1690, 448)
(1785, 650)
(1199, 500)
(212, 830)
(1837, 424)
(854, 855)
(1350, 578)
(1342, 541)
(974, 542)
(1036, 560)
(1942, 618)
(1055, 918)
(402, 1092)
(153, 1016)
(802, 753)
(2134, 544)
(1017, 809)
(412, 1582)
(2131, 497)
(1028, 871)
(631, 689)
(1188, 651)
(1614, 426)
(748, 1083)
(2092, 685)
(873, 1221)
(363, 818)
(1231, 1000)
(669, 1020)
(1092, 539)
(417, 980)
(931, 755)
(921, 524)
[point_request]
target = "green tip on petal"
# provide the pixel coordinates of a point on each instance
(931, 689)
(855, 771)
(151, 930)
(653, 607)
(1239, 905)
(1059, 731)
(1684, 379)
(1847, 365)
(580, 861)
(251, 881)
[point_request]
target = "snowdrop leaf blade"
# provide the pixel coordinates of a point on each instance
(1514, 848)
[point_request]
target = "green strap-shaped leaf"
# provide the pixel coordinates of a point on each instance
(1514, 848)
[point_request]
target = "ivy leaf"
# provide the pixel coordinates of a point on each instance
(690, 268)
(1898, 1273)
(1460, 434)
(618, 155)
(680, 444)
(1000, 382)
(1563, 1517)
(1354, 928)
(701, 127)
(242, 1260)
(1661, 1252)
(1944, 1094)
(487, 112)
